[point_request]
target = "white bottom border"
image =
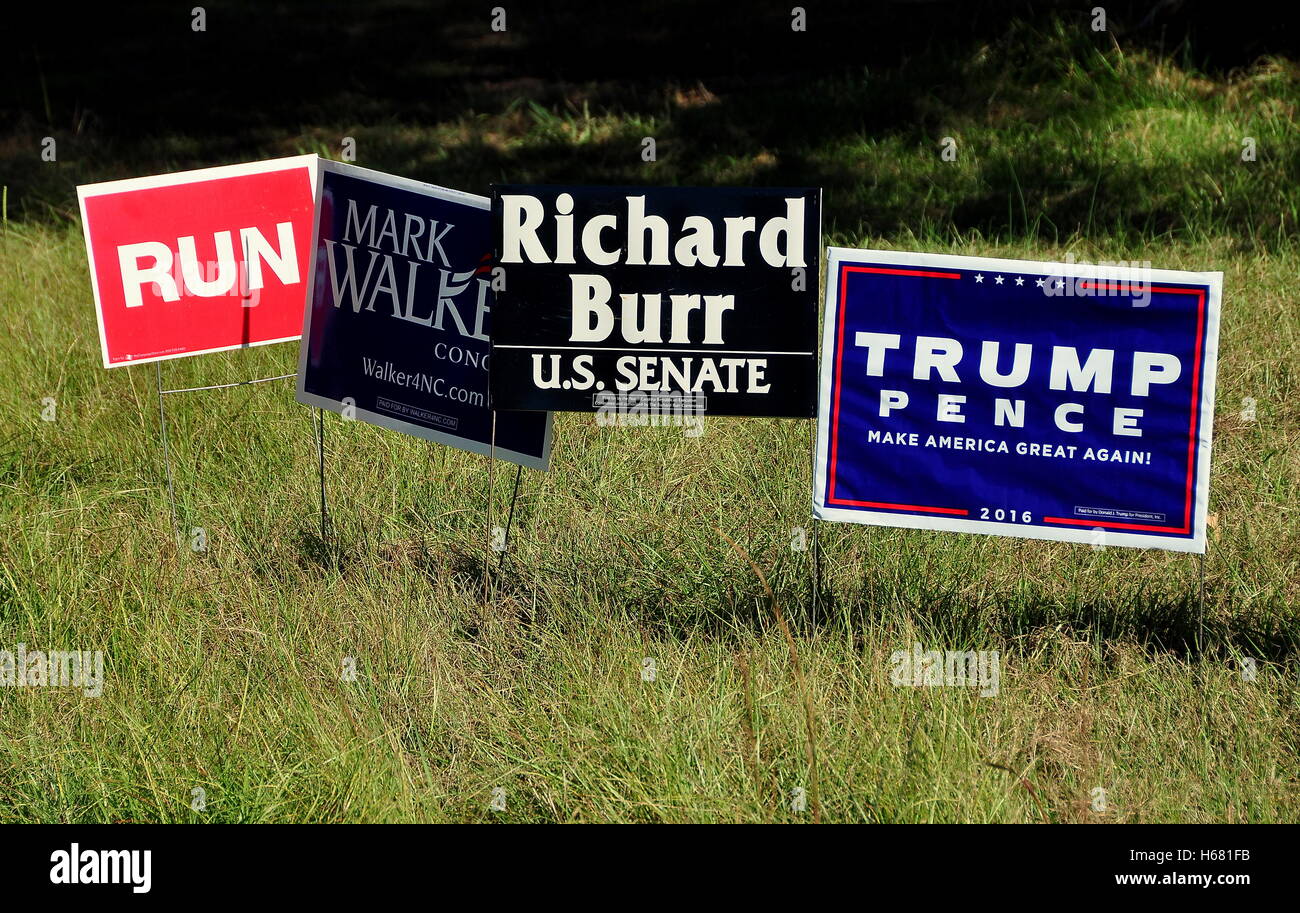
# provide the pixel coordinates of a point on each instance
(438, 437)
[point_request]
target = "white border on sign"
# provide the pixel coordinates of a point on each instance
(374, 418)
(85, 191)
(830, 311)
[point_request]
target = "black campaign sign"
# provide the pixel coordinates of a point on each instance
(706, 295)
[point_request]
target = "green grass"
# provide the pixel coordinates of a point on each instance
(223, 667)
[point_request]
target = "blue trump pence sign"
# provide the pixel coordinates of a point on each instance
(396, 330)
(1049, 401)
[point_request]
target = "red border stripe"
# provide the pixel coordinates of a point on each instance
(1095, 523)
(929, 510)
(898, 272)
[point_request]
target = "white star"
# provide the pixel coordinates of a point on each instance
(1038, 282)
(998, 280)
(1060, 283)
(1020, 280)
(979, 278)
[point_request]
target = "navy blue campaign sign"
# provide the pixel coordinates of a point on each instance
(396, 329)
(1047, 401)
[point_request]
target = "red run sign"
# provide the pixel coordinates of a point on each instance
(199, 261)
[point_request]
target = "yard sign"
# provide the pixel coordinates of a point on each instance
(1048, 401)
(199, 261)
(703, 297)
(399, 312)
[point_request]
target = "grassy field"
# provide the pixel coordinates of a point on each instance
(224, 666)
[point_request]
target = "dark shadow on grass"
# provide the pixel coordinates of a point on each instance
(1169, 623)
(734, 93)
(314, 551)
(1159, 623)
